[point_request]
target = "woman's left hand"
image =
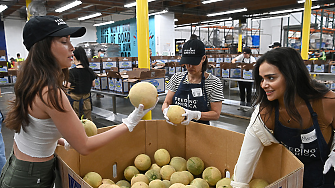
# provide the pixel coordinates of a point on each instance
(189, 114)
(329, 163)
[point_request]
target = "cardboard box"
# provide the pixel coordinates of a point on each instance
(219, 58)
(320, 66)
(227, 58)
(3, 66)
(4, 80)
(125, 62)
(146, 74)
(101, 82)
(332, 67)
(215, 146)
(118, 82)
(235, 70)
(309, 65)
(247, 69)
(211, 58)
(159, 83)
(110, 62)
(95, 65)
(225, 70)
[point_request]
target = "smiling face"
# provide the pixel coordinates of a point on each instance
(273, 81)
(62, 50)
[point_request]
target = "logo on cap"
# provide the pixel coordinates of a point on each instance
(189, 51)
(60, 22)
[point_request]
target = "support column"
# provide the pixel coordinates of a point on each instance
(239, 49)
(306, 30)
(27, 4)
(142, 22)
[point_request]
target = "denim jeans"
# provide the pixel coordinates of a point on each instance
(2, 145)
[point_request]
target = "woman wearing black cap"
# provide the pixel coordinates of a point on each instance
(41, 113)
(198, 92)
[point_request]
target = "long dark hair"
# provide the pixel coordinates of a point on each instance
(298, 80)
(204, 65)
(39, 70)
(81, 56)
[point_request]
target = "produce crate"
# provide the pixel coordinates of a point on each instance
(215, 146)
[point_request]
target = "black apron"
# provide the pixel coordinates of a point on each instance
(192, 97)
(310, 148)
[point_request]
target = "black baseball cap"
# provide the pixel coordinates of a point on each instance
(247, 50)
(275, 44)
(193, 51)
(40, 27)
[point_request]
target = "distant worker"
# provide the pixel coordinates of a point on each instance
(18, 57)
(101, 54)
(275, 45)
(322, 54)
(245, 57)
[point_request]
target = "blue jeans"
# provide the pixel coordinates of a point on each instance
(2, 145)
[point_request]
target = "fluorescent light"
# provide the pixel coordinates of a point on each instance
(221, 20)
(303, 1)
(176, 20)
(211, 1)
(161, 12)
(274, 17)
(90, 16)
(227, 12)
(315, 7)
(3, 7)
(286, 11)
(68, 6)
(103, 23)
(134, 4)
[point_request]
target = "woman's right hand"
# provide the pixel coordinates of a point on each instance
(165, 115)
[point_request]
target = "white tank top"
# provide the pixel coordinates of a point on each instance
(39, 139)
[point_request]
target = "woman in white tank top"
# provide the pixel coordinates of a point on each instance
(41, 113)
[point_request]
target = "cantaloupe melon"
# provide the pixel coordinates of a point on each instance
(143, 93)
(212, 175)
(93, 179)
(142, 162)
(162, 157)
(175, 113)
(195, 165)
(90, 128)
(258, 183)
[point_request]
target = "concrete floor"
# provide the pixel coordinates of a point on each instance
(231, 118)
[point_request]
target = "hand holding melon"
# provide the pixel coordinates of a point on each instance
(173, 114)
(143, 96)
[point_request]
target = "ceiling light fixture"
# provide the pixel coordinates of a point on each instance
(211, 1)
(227, 12)
(269, 18)
(292, 10)
(134, 4)
(3, 7)
(303, 1)
(68, 6)
(103, 23)
(221, 20)
(156, 13)
(90, 16)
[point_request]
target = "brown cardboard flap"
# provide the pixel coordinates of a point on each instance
(12, 72)
(113, 74)
(108, 59)
(94, 59)
(2, 74)
(2, 52)
(235, 65)
(319, 62)
(115, 69)
(125, 59)
(71, 158)
(3, 63)
(247, 66)
(308, 62)
(140, 69)
(146, 74)
(225, 66)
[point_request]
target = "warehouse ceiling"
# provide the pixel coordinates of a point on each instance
(186, 11)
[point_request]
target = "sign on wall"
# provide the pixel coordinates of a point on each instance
(124, 33)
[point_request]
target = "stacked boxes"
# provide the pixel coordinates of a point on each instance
(4, 79)
(95, 64)
(125, 64)
(101, 82)
(108, 63)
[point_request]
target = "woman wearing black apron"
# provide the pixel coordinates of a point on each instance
(294, 110)
(197, 91)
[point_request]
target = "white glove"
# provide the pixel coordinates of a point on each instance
(135, 117)
(190, 115)
(329, 163)
(165, 116)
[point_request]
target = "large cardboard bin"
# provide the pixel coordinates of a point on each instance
(215, 146)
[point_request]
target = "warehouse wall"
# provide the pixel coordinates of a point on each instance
(164, 34)
(14, 41)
